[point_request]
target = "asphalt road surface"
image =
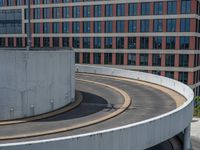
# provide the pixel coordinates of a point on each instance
(99, 101)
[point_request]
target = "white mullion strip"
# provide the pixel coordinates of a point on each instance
(139, 34)
(141, 51)
(150, 17)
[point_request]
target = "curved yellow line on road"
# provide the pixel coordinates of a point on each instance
(46, 115)
(179, 99)
(122, 108)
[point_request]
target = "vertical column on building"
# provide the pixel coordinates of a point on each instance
(150, 38)
(114, 38)
(51, 26)
(102, 31)
(32, 24)
(41, 27)
(91, 38)
(191, 65)
(193, 6)
(70, 27)
(81, 38)
(138, 38)
(60, 27)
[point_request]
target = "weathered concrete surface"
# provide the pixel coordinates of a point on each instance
(135, 136)
(35, 82)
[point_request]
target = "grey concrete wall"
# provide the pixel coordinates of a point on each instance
(137, 136)
(35, 82)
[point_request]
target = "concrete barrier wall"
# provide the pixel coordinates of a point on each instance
(137, 136)
(35, 82)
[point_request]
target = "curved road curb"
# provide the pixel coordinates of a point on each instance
(46, 115)
(122, 108)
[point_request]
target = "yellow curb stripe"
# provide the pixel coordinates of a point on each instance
(179, 99)
(123, 107)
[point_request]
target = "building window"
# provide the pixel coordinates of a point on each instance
(36, 13)
(156, 72)
(107, 58)
(144, 26)
(65, 12)
(65, 42)
(119, 42)
(10, 2)
(119, 58)
(18, 42)
(132, 26)
(171, 7)
(120, 26)
(10, 21)
(86, 27)
(97, 42)
(86, 42)
(76, 12)
(169, 74)
(18, 2)
(11, 42)
(184, 42)
(56, 12)
(131, 59)
(86, 11)
(144, 42)
(131, 42)
(46, 27)
(120, 10)
(46, 13)
(169, 60)
(2, 42)
(76, 27)
(37, 28)
(97, 58)
(158, 8)
(183, 77)
(170, 42)
(183, 60)
(132, 9)
(76, 42)
(185, 25)
(171, 25)
(185, 6)
(77, 60)
(145, 8)
(157, 42)
(46, 42)
(86, 58)
(65, 27)
(46, 1)
(36, 42)
(97, 11)
(55, 41)
(55, 26)
(108, 10)
(158, 25)
(108, 42)
(97, 27)
(108, 26)
(156, 59)
(143, 59)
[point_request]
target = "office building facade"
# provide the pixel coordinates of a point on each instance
(156, 36)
